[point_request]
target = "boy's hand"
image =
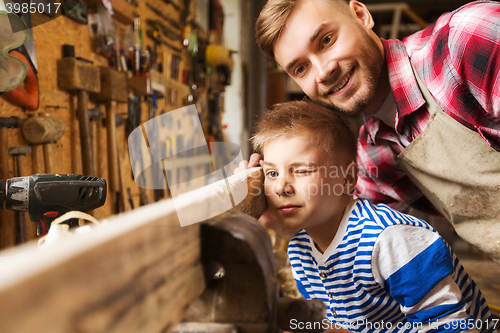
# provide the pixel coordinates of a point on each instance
(254, 161)
(268, 219)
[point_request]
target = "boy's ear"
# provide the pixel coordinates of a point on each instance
(351, 177)
(360, 12)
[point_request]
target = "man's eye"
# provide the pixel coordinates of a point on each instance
(300, 70)
(326, 40)
(272, 174)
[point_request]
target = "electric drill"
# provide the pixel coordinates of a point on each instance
(47, 196)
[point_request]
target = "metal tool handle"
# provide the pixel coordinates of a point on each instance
(112, 147)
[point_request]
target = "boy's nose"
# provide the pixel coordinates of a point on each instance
(283, 188)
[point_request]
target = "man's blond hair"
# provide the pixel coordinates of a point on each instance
(272, 20)
(324, 127)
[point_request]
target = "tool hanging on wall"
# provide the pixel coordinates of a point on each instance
(25, 95)
(81, 77)
(121, 174)
(8, 228)
(20, 65)
(5, 124)
(173, 4)
(47, 196)
(17, 152)
(44, 129)
(154, 35)
(137, 46)
(29, 45)
(170, 34)
(164, 16)
(134, 121)
(12, 70)
(114, 90)
(134, 114)
(186, 12)
(104, 35)
(95, 115)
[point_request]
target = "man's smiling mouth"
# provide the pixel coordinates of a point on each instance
(342, 84)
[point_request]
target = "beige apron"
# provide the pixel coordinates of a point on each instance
(460, 174)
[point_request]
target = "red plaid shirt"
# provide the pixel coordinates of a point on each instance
(458, 59)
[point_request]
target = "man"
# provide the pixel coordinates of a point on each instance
(329, 49)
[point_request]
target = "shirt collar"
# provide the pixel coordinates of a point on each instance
(404, 86)
(372, 125)
(388, 111)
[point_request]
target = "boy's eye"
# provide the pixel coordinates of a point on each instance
(272, 174)
(303, 172)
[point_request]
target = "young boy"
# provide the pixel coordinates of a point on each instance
(375, 268)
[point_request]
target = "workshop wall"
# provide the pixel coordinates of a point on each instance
(171, 76)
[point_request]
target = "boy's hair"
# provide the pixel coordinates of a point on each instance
(272, 19)
(327, 128)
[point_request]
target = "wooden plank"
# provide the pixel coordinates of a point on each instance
(135, 272)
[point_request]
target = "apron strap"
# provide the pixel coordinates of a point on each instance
(432, 106)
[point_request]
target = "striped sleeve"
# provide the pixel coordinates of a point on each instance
(415, 266)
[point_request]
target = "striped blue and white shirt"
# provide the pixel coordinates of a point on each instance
(388, 272)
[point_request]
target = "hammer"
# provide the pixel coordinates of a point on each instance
(18, 152)
(81, 77)
(114, 90)
(7, 229)
(44, 129)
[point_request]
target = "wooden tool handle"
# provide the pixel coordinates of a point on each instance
(4, 153)
(114, 182)
(37, 159)
(47, 152)
(123, 186)
(7, 230)
(84, 126)
(95, 142)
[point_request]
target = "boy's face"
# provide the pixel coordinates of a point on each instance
(304, 189)
(331, 55)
